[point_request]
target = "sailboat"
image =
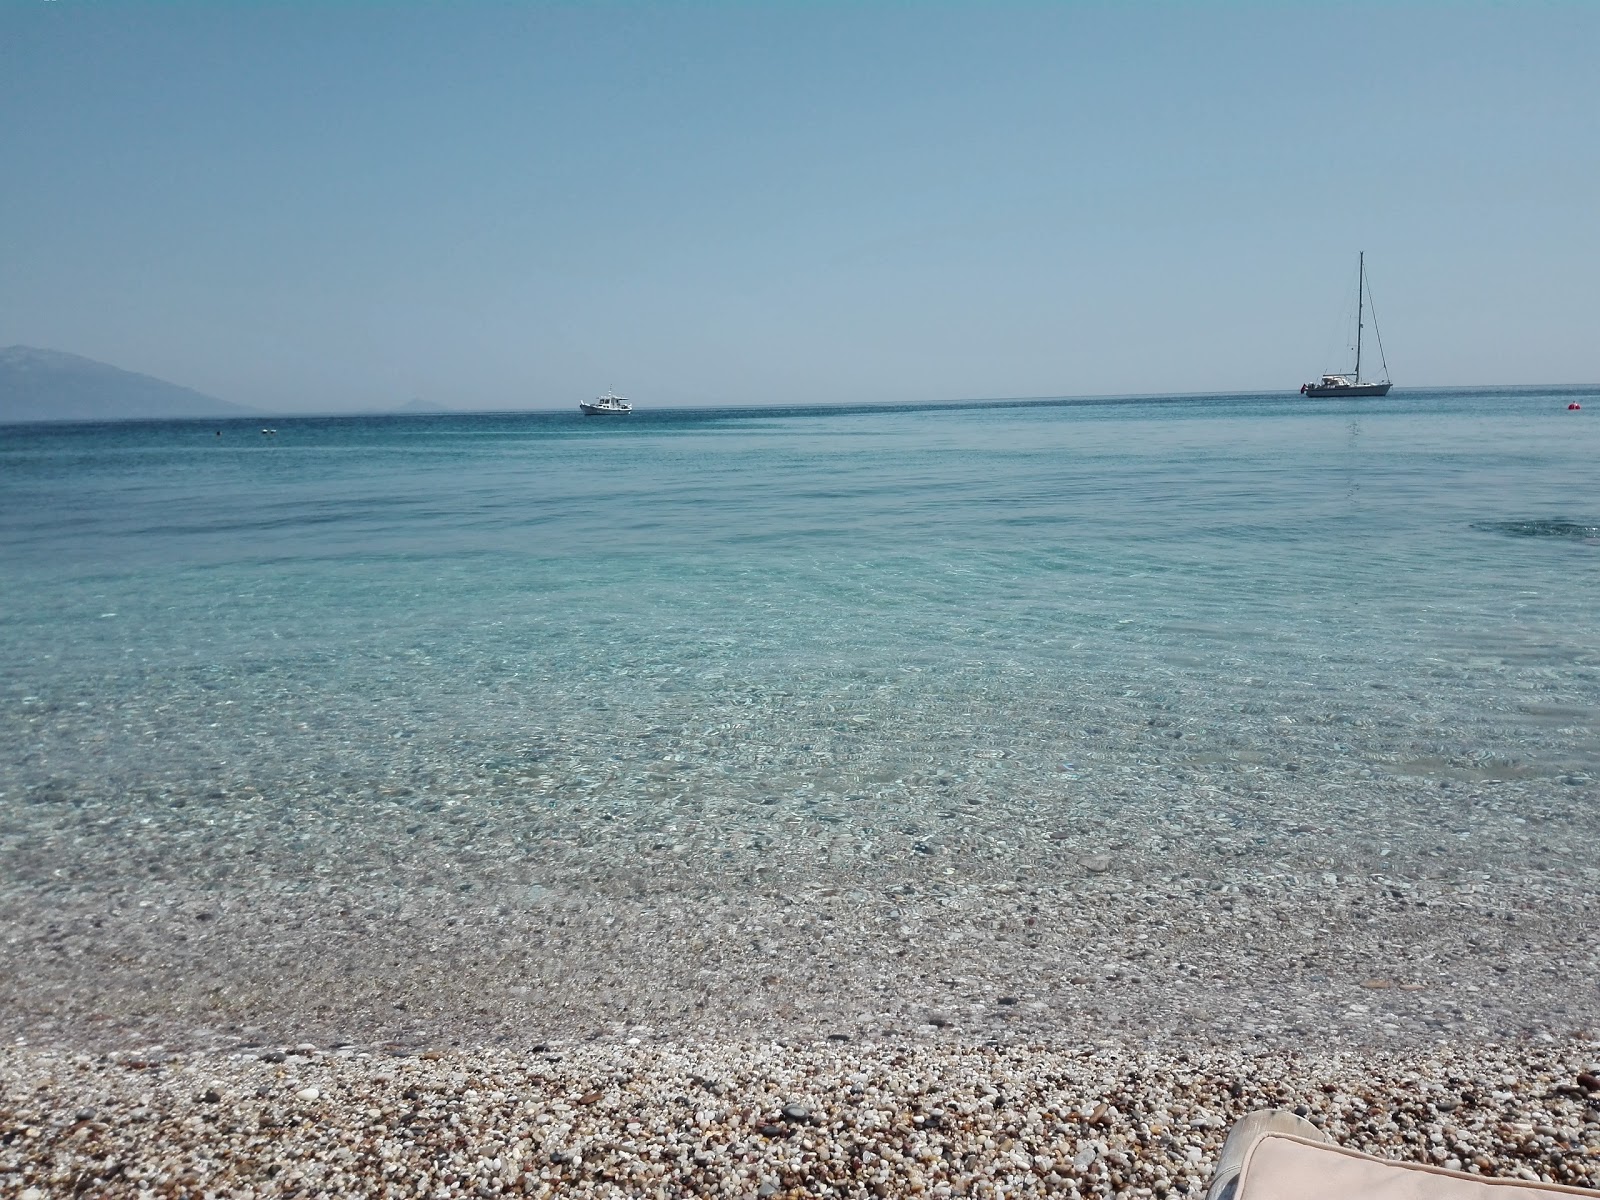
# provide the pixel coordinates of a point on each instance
(1352, 384)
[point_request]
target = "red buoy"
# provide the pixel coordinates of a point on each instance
(1574, 406)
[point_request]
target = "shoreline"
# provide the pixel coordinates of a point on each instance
(1072, 948)
(763, 1119)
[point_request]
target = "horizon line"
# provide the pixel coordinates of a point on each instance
(809, 406)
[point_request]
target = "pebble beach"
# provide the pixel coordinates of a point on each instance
(760, 1120)
(1080, 1017)
(1076, 1023)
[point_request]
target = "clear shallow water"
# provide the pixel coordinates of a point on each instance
(912, 568)
(829, 643)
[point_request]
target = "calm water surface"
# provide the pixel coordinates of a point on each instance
(934, 572)
(832, 639)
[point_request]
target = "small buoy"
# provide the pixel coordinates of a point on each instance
(1574, 406)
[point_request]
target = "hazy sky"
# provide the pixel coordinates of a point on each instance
(341, 205)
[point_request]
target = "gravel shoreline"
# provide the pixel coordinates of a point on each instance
(761, 1120)
(1067, 947)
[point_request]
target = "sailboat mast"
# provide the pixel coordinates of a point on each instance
(1361, 295)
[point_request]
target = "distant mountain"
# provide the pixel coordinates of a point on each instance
(420, 406)
(47, 385)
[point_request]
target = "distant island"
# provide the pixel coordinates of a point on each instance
(50, 385)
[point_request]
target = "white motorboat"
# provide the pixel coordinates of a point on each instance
(605, 405)
(1351, 383)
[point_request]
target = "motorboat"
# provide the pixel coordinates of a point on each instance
(606, 405)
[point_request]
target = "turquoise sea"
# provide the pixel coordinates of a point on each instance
(650, 672)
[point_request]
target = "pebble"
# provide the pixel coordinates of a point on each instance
(881, 1119)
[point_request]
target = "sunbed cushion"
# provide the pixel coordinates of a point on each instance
(1283, 1167)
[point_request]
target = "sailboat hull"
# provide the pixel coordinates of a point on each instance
(1353, 389)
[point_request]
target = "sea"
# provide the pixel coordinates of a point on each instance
(459, 668)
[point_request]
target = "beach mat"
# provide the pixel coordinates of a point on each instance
(1274, 1155)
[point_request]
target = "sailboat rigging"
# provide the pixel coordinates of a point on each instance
(1350, 383)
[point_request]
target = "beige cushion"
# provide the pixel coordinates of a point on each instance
(1283, 1167)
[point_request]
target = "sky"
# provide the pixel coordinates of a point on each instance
(340, 205)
